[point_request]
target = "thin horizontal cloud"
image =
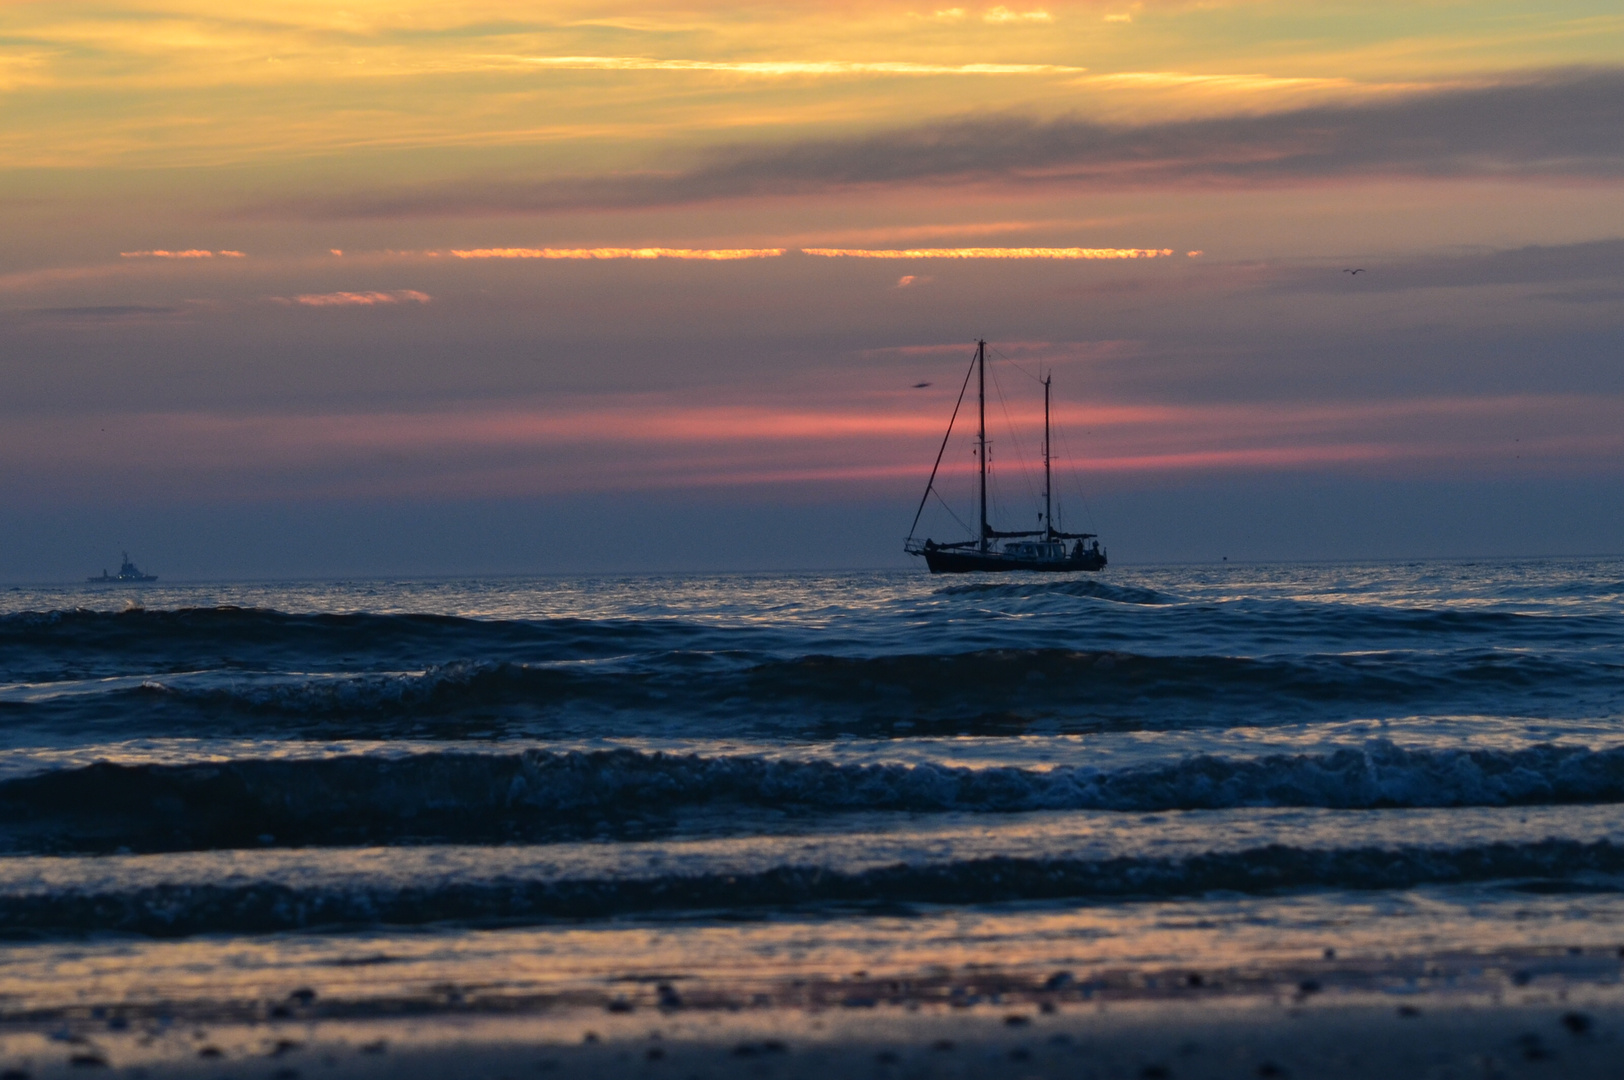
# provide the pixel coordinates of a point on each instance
(991, 253)
(1002, 14)
(1563, 125)
(356, 299)
(726, 254)
(711, 254)
(1158, 80)
(780, 68)
(189, 253)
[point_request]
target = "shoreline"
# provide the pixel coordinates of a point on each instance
(1224, 1036)
(1502, 1015)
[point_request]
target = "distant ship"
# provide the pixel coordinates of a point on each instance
(127, 574)
(1043, 550)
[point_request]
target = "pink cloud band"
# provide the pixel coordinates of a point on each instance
(189, 253)
(357, 299)
(650, 441)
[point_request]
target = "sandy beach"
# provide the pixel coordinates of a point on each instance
(1555, 1014)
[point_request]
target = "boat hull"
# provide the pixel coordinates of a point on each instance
(959, 561)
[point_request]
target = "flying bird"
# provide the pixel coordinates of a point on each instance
(1358, 271)
(920, 385)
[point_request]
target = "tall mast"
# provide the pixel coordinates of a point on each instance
(981, 395)
(1048, 523)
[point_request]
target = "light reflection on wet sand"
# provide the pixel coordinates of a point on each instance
(1386, 937)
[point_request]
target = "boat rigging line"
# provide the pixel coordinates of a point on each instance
(1009, 422)
(931, 483)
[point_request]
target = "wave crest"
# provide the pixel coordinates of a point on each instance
(540, 795)
(181, 910)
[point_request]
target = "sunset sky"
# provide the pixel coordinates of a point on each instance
(469, 287)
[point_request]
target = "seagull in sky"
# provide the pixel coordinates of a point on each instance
(920, 385)
(1358, 271)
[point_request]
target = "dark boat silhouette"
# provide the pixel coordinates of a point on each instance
(1042, 550)
(128, 574)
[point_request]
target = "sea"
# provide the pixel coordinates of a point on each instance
(415, 797)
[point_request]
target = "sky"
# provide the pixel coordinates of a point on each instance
(411, 288)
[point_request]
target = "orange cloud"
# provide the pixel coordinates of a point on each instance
(990, 253)
(1002, 14)
(713, 254)
(189, 253)
(815, 67)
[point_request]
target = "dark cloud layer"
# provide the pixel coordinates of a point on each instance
(1595, 260)
(1566, 124)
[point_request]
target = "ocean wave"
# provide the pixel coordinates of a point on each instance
(1252, 620)
(993, 691)
(957, 618)
(540, 796)
(186, 909)
(260, 637)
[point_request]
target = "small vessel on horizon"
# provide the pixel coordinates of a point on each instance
(1042, 550)
(128, 574)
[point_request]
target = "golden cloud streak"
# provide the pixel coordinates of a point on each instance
(190, 253)
(1002, 14)
(1156, 80)
(711, 254)
(772, 68)
(722, 254)
(991, 253)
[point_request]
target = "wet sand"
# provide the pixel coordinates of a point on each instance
(1569, 1025)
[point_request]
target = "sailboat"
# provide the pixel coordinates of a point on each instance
(1043, 550)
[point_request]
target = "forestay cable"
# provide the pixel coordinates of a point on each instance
(932, 481)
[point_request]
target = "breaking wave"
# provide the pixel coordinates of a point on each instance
(540, 796)
(982, 692)
(180, 910)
